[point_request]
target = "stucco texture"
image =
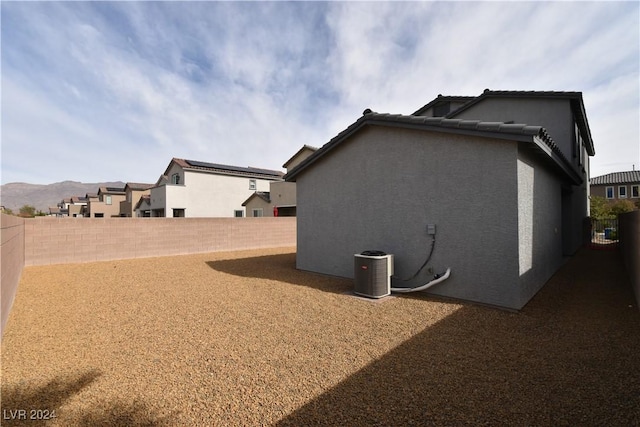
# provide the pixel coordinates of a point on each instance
(496, 208)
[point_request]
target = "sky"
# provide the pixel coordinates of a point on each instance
(111, 91)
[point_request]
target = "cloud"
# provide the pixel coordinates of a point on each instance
(121, 87)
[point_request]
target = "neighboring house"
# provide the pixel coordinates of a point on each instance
(107, 203)
(508, 200)
(617, 186)
(280, 200)
(76, 206)
(89, 198)
(63, 207)
(191, 188)
(54, 211)
(133, 192)
(142, 209)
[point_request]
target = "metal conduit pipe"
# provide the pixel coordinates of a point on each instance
(437, 279)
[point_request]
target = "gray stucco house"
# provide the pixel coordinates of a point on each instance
(504, 176)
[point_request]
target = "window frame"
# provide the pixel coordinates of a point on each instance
(238, 211)
(620, 195)
(606, 192)
(635, 191)
(107, 199)
(175, 179)
(253, 185)
(257, 210)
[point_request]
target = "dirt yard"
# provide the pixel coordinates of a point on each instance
(244, 338)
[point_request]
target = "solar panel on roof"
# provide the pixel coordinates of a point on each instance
(199, 164)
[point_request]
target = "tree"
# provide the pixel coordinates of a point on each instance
(600, 208)
(622, 206)
(27, 211)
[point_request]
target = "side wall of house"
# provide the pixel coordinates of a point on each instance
(554, 115)
(258, 203)
(51, 240)
(379, 191)
(210, 195)
(203, 194)
(108, 210)
(539, 223)
(12, 259)
(557, 117)
(283, 193)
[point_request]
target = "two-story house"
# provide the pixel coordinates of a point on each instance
(106, 203)
(280, 200)
(76, 206)
(133, 192)
(190, 188)
(493, 187)
(617, 186)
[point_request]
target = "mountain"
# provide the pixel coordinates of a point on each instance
(14, 195)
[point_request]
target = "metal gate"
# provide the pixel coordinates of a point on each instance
(604, 233)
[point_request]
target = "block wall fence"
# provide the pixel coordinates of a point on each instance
(69, 240)
(11, 261)
(46, 240)
(629, 235)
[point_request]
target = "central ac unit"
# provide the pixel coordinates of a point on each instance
(372, 274)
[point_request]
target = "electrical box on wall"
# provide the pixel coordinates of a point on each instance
(431, 229)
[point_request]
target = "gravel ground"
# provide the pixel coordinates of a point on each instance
(243, 338)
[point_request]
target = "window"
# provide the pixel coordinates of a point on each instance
(635, 191)
(178, 213)
(609, 192)
(175, 179)
(252, 184)
(98, 215)
(622, 192)
(257, 212)
(238, 213)
(107, 200)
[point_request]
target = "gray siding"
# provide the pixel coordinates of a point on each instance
(381, 188)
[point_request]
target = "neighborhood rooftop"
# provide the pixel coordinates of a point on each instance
(617, 178)
(215, 167)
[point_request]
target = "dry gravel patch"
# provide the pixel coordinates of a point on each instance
(243, 338)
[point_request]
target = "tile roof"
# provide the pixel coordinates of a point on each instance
(264, 195)
(304, 147)
(519, 132)
(628, 177)
(111, 190)
(225, 169)
(442, 98)
(575, 98)
(138, 186)
(145, 198)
